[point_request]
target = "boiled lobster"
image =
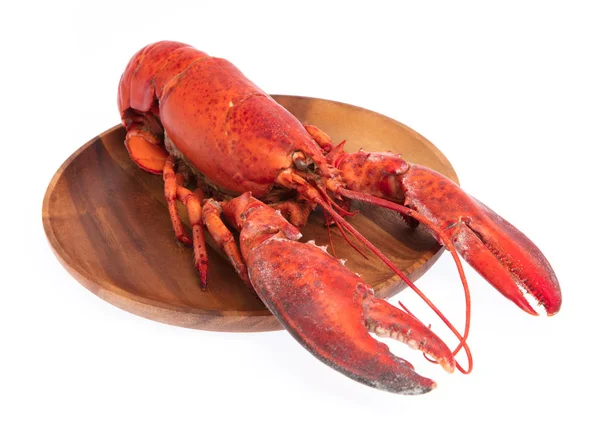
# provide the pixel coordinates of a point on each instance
(198, 121)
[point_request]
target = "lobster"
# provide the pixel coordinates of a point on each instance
(239, 161)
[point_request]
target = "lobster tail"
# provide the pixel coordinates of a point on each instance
(142, 83)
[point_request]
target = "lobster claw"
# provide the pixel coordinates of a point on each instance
(503, 255)
(330, 311)
(326, 307)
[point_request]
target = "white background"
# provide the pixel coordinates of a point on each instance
(510, 93)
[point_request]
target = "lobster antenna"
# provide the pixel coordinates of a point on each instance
(404, 210)
(454, 353)
(327, 222)
(343, 232)
(341, 210)
(340, 227)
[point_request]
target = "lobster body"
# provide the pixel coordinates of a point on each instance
(190, 117)
(224, 127)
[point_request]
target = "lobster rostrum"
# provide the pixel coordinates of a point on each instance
(198, 120)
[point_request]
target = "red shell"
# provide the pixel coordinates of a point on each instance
(230, 130)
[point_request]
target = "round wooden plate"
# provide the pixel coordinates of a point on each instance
(108, 225)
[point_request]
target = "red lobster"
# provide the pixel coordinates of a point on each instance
(198, 120)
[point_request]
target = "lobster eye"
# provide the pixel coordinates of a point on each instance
(300, 160)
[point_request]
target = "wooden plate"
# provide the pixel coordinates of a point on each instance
(108, 225)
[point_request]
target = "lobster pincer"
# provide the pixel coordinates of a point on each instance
(326, 307)
(503, 255)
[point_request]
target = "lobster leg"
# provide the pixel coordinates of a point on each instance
(192, 202)
(199, 215)
(171, 186)
(175, 191)
(326, 307)
(211, 217)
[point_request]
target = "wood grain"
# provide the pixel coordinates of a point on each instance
(108, 225)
